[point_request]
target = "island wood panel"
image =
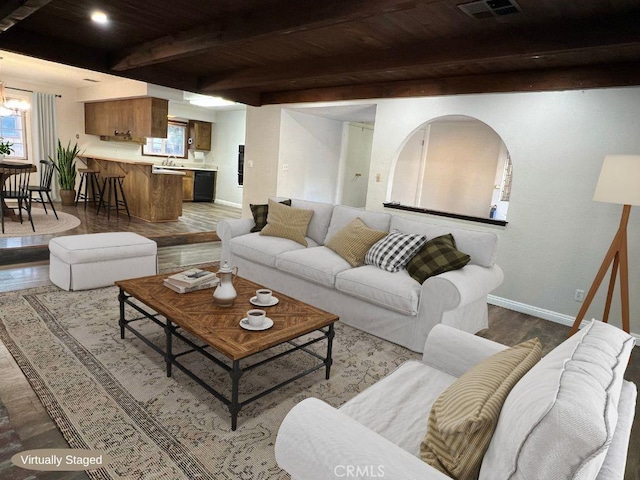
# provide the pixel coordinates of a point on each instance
(150, 196)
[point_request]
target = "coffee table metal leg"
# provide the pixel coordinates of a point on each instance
(329, 361)
(234, 406)
(168, 355)
(121, 298)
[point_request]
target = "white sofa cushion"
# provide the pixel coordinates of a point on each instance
(318, 264)
(559, 419)
(319, 223)
(482, 247)
(342, 215)
(395, 291)
(397, 407)
(264, 249)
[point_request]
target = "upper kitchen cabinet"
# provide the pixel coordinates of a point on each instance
(135, 117)
(200, 135)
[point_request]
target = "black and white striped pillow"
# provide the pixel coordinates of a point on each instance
(395, 250)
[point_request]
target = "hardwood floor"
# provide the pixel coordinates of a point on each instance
(34, 428)
(196, 225)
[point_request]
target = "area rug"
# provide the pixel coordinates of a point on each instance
(112, 395)
(43, 223)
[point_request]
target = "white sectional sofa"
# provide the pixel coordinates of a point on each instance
(392, 306)
(568, 418)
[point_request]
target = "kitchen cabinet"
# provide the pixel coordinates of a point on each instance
(200, 135)
(187, 186)
(132, 117)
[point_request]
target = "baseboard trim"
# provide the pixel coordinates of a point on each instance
(550, 315)
(228, 204)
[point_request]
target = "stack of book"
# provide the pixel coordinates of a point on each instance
(191, 280)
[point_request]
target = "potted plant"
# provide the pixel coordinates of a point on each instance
(6, 148)
(65, 164)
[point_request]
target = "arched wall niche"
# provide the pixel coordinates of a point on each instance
(456, 165)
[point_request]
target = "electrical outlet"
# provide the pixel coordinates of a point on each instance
(285, 167)
(579, 296)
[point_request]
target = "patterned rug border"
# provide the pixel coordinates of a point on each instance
(50, 403)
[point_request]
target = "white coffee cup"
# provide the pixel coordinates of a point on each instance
(263, 296)
(256, 317)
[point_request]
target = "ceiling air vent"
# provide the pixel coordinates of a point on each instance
(489, 8)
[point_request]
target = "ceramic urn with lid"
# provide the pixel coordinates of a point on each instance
(225, 294)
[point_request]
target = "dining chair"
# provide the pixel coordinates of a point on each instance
(16, 187)
(46, 175)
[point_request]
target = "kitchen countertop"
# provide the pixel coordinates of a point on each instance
(166, 171)
(212, 168)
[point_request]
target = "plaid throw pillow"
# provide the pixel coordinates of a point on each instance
(260, 213)
(437, 256)
(395, 250)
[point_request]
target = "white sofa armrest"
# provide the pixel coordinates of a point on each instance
(454, 291)
(470, 283)
(318, 442)
(226, 229)
(454, 351)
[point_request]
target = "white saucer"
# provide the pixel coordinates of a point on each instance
(268, 323)
(254, 300)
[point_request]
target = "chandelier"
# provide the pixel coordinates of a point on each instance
(11, 106)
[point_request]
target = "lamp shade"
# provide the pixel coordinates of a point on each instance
(619, 180)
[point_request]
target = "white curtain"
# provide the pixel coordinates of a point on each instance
(45, 132)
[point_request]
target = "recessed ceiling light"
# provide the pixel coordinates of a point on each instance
(99, 17)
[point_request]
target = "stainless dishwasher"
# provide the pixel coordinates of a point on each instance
(204, 186)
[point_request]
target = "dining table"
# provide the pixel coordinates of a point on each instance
(5, 168)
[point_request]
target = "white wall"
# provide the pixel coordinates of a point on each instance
(261, 155)
(309, 156)
(228, 133)
(557, 235)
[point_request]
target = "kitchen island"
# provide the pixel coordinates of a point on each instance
(154, 196)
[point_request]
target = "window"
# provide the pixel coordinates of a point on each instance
(12, 130)
(174, 145)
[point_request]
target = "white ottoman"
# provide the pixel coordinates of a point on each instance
(81, 262)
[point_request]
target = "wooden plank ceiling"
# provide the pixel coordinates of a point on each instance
(281, 51)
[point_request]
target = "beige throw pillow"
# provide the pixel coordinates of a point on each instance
(354, 240)
(464, 416)
(287, 222)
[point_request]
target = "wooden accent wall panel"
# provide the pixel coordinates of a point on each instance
(152, 197)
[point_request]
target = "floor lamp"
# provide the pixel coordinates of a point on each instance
(619, 182)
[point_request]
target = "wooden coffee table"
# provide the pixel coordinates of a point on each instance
(219, 329)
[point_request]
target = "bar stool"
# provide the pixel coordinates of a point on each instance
(114, 182)
(88, 177)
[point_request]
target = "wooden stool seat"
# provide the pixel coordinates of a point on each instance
(88, 178)
(112, 182)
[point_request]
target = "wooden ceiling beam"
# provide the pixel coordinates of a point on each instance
(535, 45)
(597, 76)
(285, 17)
(12, 11)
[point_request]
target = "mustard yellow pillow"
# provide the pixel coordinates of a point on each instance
(354, 240)
(464, 416)
(287, 222)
